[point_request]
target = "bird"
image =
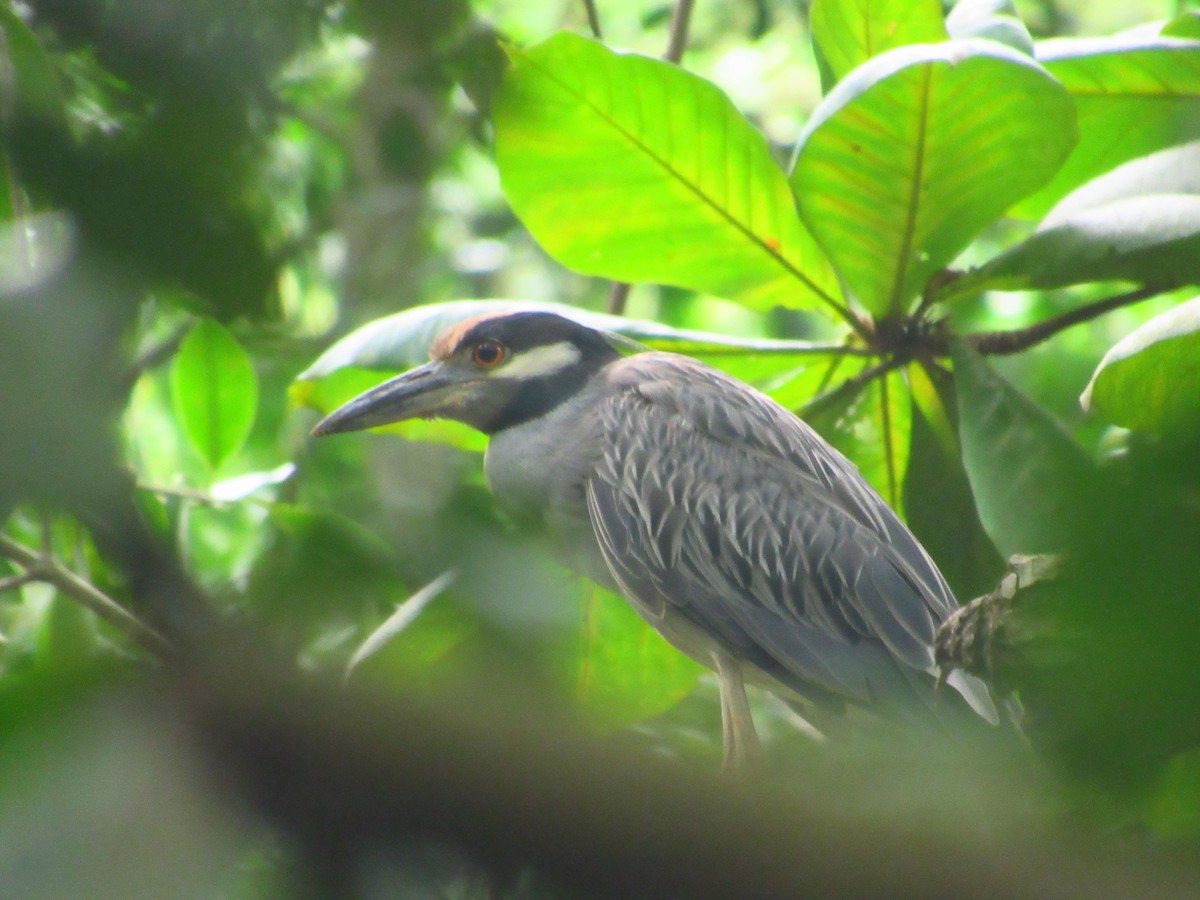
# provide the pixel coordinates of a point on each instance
(735, 530)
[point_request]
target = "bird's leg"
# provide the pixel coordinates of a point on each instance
(739, 739)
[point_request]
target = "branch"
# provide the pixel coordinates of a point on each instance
(39, 567)
(618, 293)
(1000, 343)
(593, 16)
(850, 387)
(681, 17)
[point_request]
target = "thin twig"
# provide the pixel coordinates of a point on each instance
(153, 356)
(681, 17)
(40, 567)
(618, 293)
(850, 386)
(1000, 343)
(593, 16)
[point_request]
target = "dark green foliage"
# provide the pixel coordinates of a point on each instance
(295, 169)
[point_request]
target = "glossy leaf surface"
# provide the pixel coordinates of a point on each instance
(849, 32)
(1148, 380)
(1135, 94)
(1025, 469)
(917, 151)
(632, 169)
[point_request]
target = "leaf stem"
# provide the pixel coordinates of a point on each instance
(1001, 343)
(42, 567)
(850, 386)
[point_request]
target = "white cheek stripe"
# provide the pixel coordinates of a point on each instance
(540, 361)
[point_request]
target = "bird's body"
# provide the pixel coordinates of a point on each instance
(736, 531)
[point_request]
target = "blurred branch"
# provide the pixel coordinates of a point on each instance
(153, 356)
(999, 343)
(348, 771)
(42, 567)
(977, 637)
(681, 17)
(593, 16)
(618, 294)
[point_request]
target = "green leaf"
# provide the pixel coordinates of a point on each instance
(214, 391)
(1175, 170)
(872, 428)
(625, 672)
(849, 32)
(1135, 94)
(917, 151)
(632, 169)
(38, 91)
(1153, 239)
(1147, 381)
(1025, 469)
(938, 504)
(996, 20)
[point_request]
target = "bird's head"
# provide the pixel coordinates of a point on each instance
(491, 372)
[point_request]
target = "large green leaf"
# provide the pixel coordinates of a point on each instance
(1135, 223)
(849, 32)
(996, 20)
(1025, 469)
(1153, 239)
(1135, 94)
(214, 391)
(623, 671)
(397, 342)
(1147, 381)
(917, 151)
(633, 169)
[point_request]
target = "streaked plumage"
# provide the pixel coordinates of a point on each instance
(729, 524)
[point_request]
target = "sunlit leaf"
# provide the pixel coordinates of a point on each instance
(918, 150)
(1134, 93)
(1147, 381)
(633, 169)
(1025, 469)
(996, 20)
(849, 32)
(214, 391)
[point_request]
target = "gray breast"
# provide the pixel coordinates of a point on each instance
(538, 472)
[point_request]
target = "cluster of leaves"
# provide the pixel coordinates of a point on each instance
(191, 186)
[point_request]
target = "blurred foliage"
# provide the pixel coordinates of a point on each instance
(212, 213)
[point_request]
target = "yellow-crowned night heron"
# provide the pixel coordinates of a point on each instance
(745, 539)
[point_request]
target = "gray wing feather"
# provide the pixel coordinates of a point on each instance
(715, 503)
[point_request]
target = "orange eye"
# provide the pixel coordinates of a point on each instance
(487, 354)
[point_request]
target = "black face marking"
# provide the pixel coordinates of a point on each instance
(522, 399)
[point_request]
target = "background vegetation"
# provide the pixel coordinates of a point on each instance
(237, 662)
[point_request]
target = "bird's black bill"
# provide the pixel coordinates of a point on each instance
(421, 393)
